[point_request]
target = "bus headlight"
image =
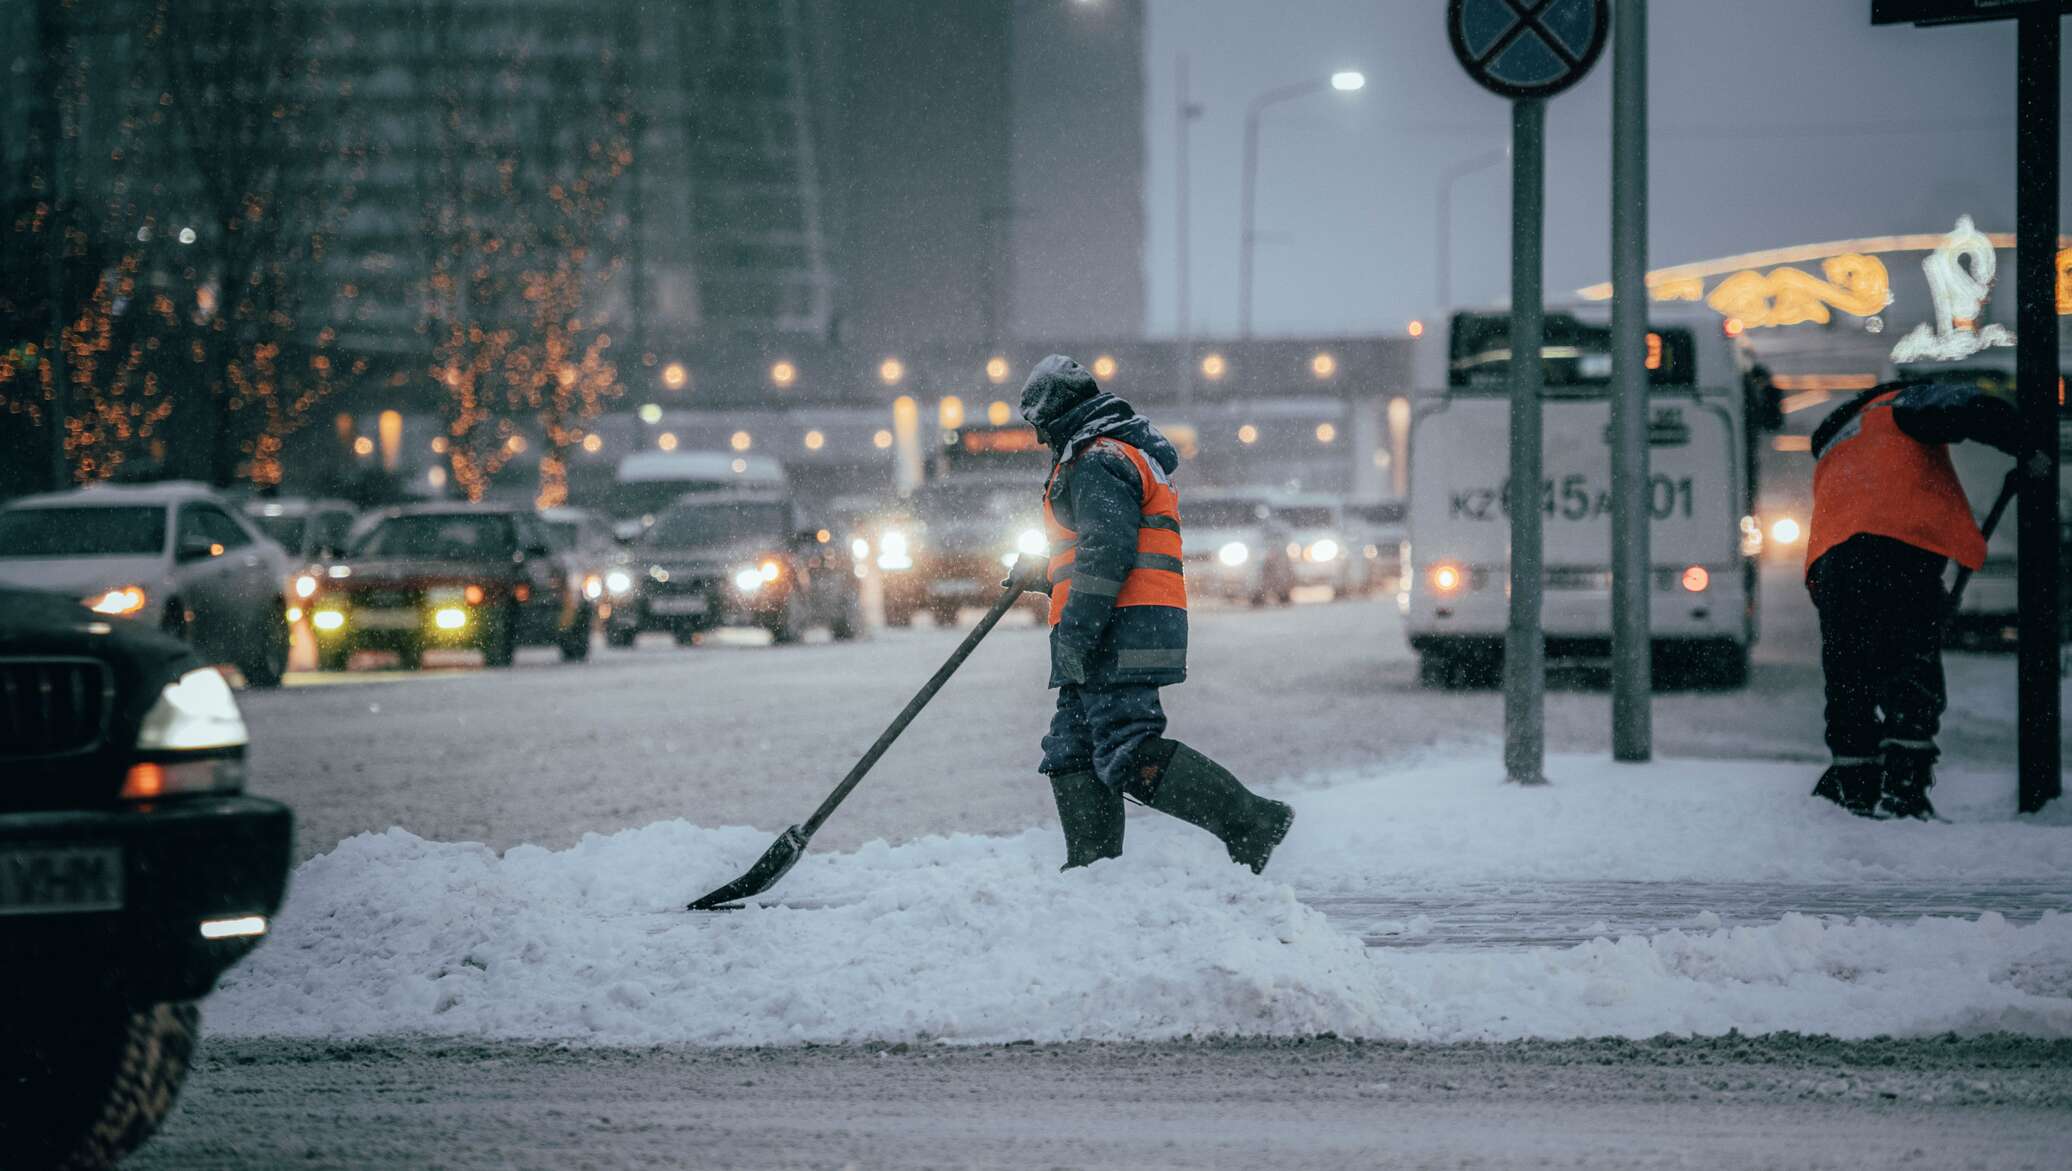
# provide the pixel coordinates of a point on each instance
(1323, 550)
(1234, 554)
(1445, 579)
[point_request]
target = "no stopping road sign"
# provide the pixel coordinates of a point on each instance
(1527, 48)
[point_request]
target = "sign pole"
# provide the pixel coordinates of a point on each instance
(1524, 649)
(1632, 682)
(2036, 378)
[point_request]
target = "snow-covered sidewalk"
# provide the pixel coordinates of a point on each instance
(980, 939)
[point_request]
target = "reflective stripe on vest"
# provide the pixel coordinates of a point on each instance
(1157, 577)
(1875, 479)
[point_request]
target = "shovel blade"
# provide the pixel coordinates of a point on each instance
(773, 865)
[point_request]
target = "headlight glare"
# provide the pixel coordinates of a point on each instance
(328, 620)
(618, 581)
(305, 585)
(1234, 553)
(1032, 542)
(748, 579)
(120, 602)
(1325, 549)
(194, 713)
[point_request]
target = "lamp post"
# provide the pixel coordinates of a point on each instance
(1185, 111)
(1442, 227)
(1345, 81)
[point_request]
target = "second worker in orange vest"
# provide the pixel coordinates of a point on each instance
(1888, 515)
(1118, 617)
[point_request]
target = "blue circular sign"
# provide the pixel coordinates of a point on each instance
(1527, 48)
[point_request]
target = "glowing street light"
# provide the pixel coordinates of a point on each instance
(1213, 367)
(674, 376)
(1323, 365)
(741, 441)
(815, 440)
(1104, 367)
(996, 369)
(783, 374)
(666, 441)
(1344, 81)
(890, 371)
(999, 413)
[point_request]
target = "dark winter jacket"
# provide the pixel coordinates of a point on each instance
(1933, 412)
(1097, 494)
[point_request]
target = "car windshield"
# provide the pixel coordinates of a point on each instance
(447, 537)
(1220, 514)
(1307, 516)
(87, 531)
(285, 529)
(692, 526)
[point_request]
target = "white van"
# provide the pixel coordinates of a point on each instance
(650, 481)
(1455, 596)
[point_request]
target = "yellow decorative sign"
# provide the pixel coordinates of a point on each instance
(1855, 284)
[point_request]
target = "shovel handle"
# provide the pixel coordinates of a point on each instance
(2000, 503)
(1016, 586)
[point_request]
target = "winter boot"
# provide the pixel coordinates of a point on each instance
(1197, 790)
(1853, 784)
(1091, 814)
(1909, 774)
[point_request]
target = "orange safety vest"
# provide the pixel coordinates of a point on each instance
(1876, 479)
(1156, 579)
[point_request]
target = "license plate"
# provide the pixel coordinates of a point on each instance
(386, 619)
(694, 604)
(948, 589)
(60, 880)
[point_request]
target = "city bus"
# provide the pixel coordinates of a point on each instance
(1455, 596)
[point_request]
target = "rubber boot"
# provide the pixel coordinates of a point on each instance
(1197, 790)
(1909, 774)
(1853, 784)
(1091, 814)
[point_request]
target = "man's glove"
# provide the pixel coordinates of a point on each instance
(1070, 662)
(1031, 572)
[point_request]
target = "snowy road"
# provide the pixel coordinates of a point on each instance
(745, 734)
(540, 1000)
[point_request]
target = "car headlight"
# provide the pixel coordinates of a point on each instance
(1234, 553)
(305, 585)
(1446, 578)
(593, 587)
(195, 712)
(618, 581)
(1325, 549)
(893, 551)
(748, 579)
(120, 602)
(328, 620)
(1032, 542)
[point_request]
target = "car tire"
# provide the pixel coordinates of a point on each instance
(684, 636)
(620, 638)
(575, 641)
(90, 1082)
(500, 648)
(849, 623)
(270, 665)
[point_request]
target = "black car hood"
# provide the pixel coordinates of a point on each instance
(33, 623)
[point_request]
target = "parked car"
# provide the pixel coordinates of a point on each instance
(133, 871)
(170, 555)
(482, 577)
(1320, 548)
(737, 559)
(1378, 533)
(1235, 546)
(960, 540)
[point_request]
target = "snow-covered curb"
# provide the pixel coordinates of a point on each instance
(980, 939)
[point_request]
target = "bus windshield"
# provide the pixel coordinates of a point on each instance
(1576, 358)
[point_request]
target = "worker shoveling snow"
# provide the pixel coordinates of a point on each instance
(982, 939)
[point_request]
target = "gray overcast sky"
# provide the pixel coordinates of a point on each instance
(1774, 122)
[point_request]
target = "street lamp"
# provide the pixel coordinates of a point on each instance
(1344, 81)
(1442, 230)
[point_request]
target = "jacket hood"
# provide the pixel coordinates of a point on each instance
(1069, 410)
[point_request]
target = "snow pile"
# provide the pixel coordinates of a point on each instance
(980, 939)
(1450, 820)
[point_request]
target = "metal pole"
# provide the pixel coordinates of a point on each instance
(2036, 364)
(1244, 243)
(1632, 715)
(1183, 239)
(1524, 649)
(55, 44)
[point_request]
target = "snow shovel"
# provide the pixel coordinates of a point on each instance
(785, 851)
(1963, 578)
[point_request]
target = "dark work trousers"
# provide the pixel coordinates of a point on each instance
(1881, 606)
(1101, 729)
